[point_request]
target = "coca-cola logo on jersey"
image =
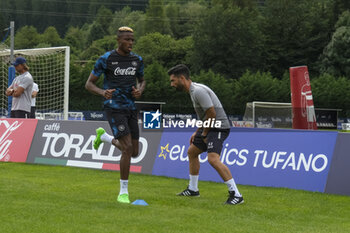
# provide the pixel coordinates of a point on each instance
(5, 141)
(128, 71)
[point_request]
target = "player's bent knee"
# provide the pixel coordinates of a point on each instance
(193, 151)
(192, 154)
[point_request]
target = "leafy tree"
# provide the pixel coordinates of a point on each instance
(239, 3)
(79, 13)
(4, 31)
(164, 49)
(183, 18)
(156, 20)
(99, 47)
(339, 6)
(85, 31)
(21, 19)
(331, 92)
(27, 37)
(51, 37)
(45, 14)
(3, 25)
(103, 17)
(100, 26)
(258, 87)
(336, 55)
(6, 16)
(158, 89)
(126, 17)
(296, 33)
(157, 83)
(43, 45)
(75, 39)
(228, 41)
(344, 20)
(172, 12)
(78, 95)
(96, 32)
(335, 59)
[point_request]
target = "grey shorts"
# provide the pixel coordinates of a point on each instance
(215, 140)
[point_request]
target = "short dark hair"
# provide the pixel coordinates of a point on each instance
(124, 29)
(180, 69)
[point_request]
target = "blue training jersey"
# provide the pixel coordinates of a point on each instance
(120, 73)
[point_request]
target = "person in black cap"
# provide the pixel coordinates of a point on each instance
(21, 90)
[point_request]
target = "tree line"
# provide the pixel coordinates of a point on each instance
(242, 49)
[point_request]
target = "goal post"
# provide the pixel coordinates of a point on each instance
(50, 70)
(269, 114)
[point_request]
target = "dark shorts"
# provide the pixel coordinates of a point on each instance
(32, 112)
(215, 140)
(123, 122)
(19, 114)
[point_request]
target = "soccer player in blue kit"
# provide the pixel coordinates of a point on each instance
(122, 69)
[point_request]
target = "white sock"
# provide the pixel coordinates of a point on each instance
(123, 187)
(106, 138)
(231, 185)
(193, 185)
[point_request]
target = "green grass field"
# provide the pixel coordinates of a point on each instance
(37, 198)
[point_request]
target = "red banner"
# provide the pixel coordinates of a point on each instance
(304, 116)
(16, 136)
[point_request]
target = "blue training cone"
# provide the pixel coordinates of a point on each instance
(139, 202)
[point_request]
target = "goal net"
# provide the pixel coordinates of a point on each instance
(269, 114)
(50, 70)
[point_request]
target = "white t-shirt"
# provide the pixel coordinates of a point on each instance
(23, 102)
(35, 88)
